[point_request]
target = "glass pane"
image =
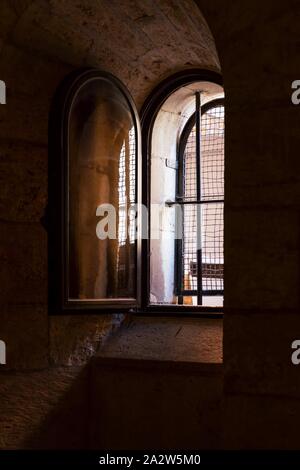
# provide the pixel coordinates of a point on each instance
(102, 188)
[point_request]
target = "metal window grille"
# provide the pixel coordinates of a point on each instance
(126, 218)
(127, 190)
(211, 203)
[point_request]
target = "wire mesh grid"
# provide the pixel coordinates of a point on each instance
(212, 154)
(212, 219)
(126, 218)
(126, 189)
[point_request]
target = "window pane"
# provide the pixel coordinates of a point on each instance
(102, 187)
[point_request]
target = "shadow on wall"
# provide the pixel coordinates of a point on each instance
(67, 422)
(116, 404)
(146, 405)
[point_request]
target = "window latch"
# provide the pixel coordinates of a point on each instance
(173, 164)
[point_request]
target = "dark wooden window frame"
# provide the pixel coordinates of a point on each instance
(56, 217)
(149, 113)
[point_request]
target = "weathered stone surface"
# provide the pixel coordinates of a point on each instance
(262, 259)
(20, 6)
(266, 171)
(24, 328)
(8, 18)
(74, 340)
(46, 409)
(32, 75)
(261, 422)
(23, 263)
(146, 405)
(253, 372)
(171, 339)
(36, 32)
(189, 23)
(153, 49)
(258, 43)
(24, 118)
(23, 181)
(40, 42)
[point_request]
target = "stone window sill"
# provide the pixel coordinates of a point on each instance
(166, 341)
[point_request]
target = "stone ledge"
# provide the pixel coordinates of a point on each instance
(172, 341)
(136, 364)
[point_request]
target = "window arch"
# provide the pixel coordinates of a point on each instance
(94, 166)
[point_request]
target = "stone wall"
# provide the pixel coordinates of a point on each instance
(41, 41)
(258, 46)
(258, 43)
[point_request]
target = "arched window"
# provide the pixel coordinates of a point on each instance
(183, 140)
(103, 252)
(94, 189)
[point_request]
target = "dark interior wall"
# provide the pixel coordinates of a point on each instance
(258, 44)
(41, 41)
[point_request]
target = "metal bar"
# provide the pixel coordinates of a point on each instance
(179, 242)
(198, 183)
(195, 201)
(192, 293)
(179, 270)
(182, 203)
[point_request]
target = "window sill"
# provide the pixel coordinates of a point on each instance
(153, 341)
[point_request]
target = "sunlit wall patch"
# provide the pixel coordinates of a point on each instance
(2, 92)
(2, 353)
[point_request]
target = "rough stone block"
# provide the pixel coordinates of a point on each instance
(45, 410)
(262, 259)
(23, 263)
(24, 328)
(257, 354)
(8, 18)
(142, 406)
(31, 74)
(74, 340)
(23, 182)
(24, 118)
(261, 422)
(262, 167)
